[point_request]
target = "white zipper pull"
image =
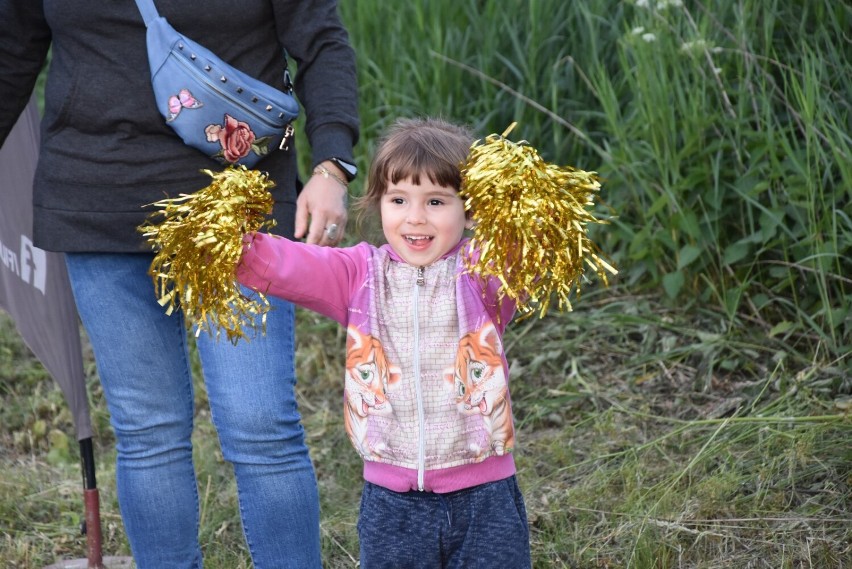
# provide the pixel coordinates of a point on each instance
(285, 142)
(420, 279)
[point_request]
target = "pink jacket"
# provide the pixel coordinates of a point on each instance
(426, 399)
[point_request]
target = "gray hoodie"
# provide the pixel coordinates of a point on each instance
(106, 151)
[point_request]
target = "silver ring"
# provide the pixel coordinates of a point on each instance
(331, 231)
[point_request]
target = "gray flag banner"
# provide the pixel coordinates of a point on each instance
(34, 287)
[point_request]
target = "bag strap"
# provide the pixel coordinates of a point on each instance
(148, 10)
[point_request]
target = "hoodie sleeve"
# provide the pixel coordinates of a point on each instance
(500, 310)
(321, 279)
(325, 81)
(24, 42)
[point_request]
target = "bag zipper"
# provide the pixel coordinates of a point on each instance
(211, 85)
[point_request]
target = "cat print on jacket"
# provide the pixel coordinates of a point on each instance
(368, 376)
(479, 385)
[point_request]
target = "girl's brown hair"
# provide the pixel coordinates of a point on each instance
(411, 148)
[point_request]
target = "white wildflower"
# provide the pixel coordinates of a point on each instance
(637, 30)
(700, 45)
(649, 37)
(696, 45)
(641, 3)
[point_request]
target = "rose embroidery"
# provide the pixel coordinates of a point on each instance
(235, 137)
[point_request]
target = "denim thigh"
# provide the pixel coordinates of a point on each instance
(484, 526)
(251, 391)
(143, 365)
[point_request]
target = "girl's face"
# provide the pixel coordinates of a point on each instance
(422, 222)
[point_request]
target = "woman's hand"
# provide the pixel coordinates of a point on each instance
(321, 209)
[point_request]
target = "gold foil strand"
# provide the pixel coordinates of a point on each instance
(531, 223)
(198, 243)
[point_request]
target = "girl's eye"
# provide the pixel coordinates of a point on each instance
(396, 201)
(436, 202)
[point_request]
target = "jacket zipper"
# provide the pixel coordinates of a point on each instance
(421, 447)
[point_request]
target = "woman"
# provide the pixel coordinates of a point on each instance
(105, 153)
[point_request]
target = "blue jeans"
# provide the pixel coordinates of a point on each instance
(480, 527)
(143, 364)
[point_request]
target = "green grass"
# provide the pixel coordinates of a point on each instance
(634, 450)
(694, 415)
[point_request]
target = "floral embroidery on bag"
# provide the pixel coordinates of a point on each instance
(236, 139)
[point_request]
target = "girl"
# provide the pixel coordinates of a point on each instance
(426, 398)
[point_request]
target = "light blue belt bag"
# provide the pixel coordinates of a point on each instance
(212, 106)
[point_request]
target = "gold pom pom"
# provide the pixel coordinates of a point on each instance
(531, 220)
(199, 244)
